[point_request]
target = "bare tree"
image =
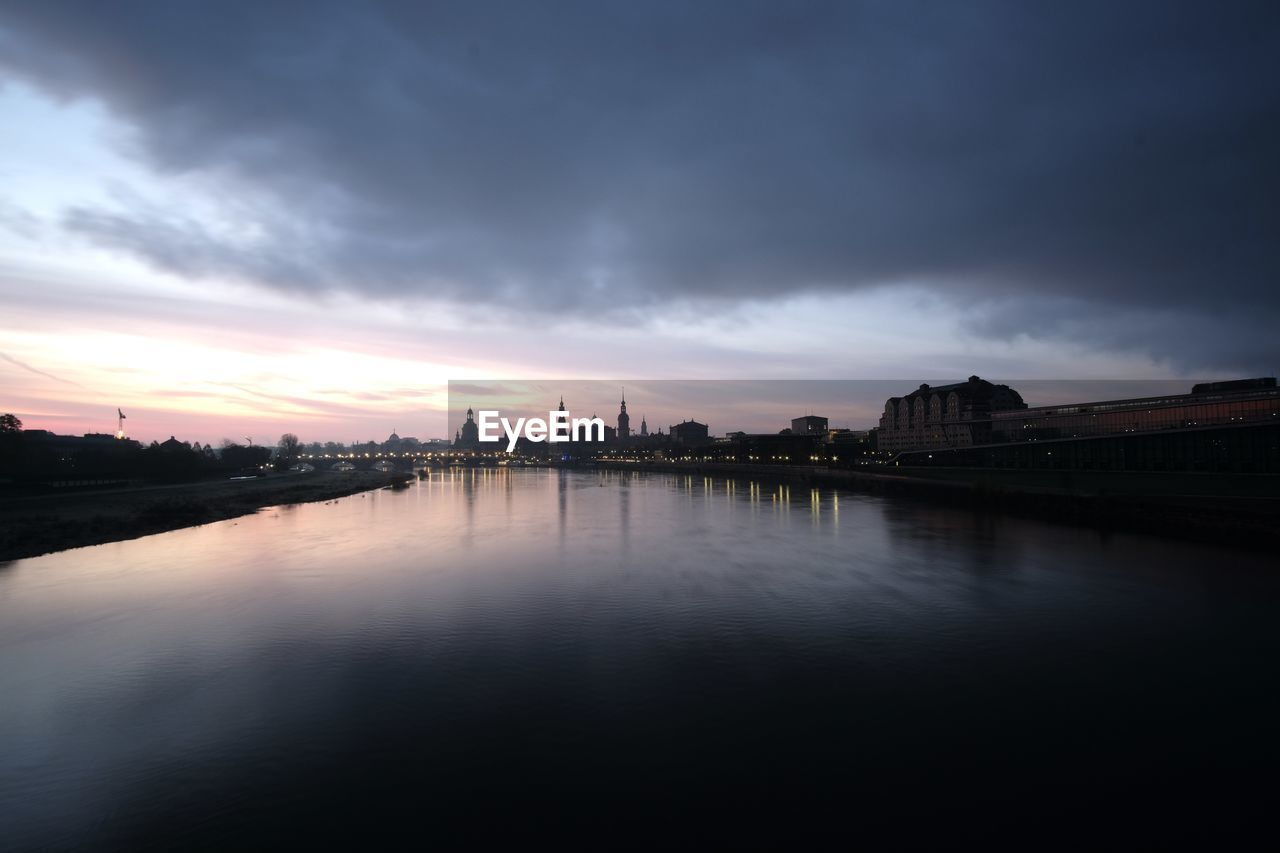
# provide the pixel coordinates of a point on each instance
(287, 448)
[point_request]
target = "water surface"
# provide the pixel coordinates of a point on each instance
(495, 653)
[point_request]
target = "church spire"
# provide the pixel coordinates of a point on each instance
(624, 420)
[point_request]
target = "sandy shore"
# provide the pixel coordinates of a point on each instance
(31, 525)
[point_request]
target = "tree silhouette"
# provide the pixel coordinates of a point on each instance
(10, 423)
(288, 446)
(239, 456)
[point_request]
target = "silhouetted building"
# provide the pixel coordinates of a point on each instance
(849, 445)
(562, 432)
(589, 442)
(1209, 403)
(37, 455)
(772, 448)
(689, 432)
(956, 415)
(100, 441)
(644, 427)
(624, 420)
(468, 437)
(808, 425)
(1219, 426)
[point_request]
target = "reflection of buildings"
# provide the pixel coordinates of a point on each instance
(956, 415)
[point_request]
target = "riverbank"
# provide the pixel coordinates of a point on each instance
(35, 524)
(1237, 510)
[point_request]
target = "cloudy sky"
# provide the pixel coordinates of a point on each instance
(233, 219)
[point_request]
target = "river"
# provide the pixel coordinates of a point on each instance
(494, 654)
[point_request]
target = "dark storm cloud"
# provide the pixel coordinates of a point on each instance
(565, 156)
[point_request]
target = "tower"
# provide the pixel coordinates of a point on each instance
(469, 435)
(561, 433)
(624, 420)
(644, 427)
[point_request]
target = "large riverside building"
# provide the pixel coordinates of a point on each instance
(1209, 403)
(958, 415)
(1219, 426)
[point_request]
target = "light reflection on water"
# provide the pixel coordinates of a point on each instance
(542, 637)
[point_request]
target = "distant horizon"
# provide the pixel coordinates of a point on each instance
(860, 414)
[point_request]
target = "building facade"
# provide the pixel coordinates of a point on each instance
(809, 425)
(1218, 427)
(958, 415)
(689, 432)
(1208, 404)
(468, 437)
